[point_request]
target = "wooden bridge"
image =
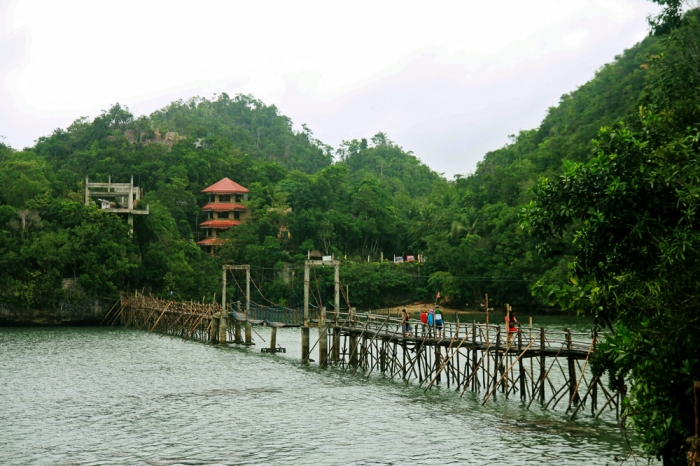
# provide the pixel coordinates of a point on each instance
(534, 364)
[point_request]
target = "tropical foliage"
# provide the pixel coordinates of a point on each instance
(631, 214)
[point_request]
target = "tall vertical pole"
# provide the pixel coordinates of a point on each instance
(273, 339)
(474, 371)
(573, 393)
(487, 353)
(87, 192)
(542, 365)
(496, 360)
(237, 324)
(223, 320)
(508, 336)
(488, 343)
(305, 327)
(248, 327)
(336, 298)
(322, 338)
(521, 368)
(247, 290)
(336, 303)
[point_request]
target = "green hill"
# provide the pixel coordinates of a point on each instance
(375, 198)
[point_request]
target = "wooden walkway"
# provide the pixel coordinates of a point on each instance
(547, 366)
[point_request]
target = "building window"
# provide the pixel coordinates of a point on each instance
(223, 214)
(224, 198)
(236, 215)
(238, 198)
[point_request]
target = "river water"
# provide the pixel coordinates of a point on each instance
(103, 396)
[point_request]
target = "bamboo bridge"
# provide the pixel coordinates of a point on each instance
(544, 365)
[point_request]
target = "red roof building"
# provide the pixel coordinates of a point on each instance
(224, 209)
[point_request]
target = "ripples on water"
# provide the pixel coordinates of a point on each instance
(101, 396)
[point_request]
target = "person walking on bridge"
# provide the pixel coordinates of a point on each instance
(424, 319)
(511, 325)
(405, 318)
(438, 321)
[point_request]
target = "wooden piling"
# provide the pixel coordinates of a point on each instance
(214, 329)
(237, 325)
(322, 339)
(223, 319)
(573, 393)
(521, 368)
(305, 328)
(542, 365)
(273, 338)
(372, 346)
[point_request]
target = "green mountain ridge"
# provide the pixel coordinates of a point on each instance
(374, 198)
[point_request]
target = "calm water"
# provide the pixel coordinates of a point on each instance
(89, 396)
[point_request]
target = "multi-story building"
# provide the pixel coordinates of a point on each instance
(224, 209)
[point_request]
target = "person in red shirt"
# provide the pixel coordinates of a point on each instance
(424, 319)
(511, 324)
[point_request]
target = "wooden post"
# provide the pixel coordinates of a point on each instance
(305, 326)
(214, 328)
(237, 324)
(336, 304)
(521, 368)
(497, 357)
(322, 338)
(487, 352)
(542, 365)
(273, 339)
(248, 332)
(505, 354)
(352, 347)
(248, 326)
(474, 356)
(487, 319)
(223, 320)
(404, 349)
(573, 394)
(247, 291)
(532, 371)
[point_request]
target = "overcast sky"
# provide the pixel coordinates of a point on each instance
(448, 80)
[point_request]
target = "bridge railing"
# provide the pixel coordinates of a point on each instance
(272, 314)
(471, 332)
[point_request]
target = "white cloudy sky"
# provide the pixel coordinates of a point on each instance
(448, 80)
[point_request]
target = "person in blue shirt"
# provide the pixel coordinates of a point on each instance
(438, 321)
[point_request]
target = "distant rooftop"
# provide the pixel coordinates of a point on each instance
(225, 186)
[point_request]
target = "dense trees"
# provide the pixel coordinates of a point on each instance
(633, 212)
(376, 198)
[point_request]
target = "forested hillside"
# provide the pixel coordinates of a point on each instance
(632, 210)
(374, 198)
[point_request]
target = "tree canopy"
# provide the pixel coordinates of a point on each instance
(631, 215)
